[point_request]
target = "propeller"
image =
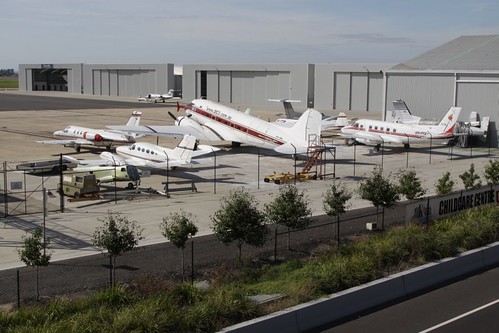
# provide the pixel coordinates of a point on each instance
(173, 116)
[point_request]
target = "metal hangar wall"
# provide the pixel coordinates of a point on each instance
(250, 84)
(98, 79)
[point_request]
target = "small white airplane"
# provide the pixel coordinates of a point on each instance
(144, 155)
(157, 97)
(328, 122)
(475, 127)
(78, 136)
(211, 121)
(376, 132)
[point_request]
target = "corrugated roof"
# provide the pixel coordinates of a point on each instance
(463, 53)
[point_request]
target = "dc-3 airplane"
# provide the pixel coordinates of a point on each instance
(157, 97)
(78, 136)
(144, 155)
(211, 121)
(376, 132)
(327, 123)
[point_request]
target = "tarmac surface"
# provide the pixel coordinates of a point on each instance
(234, 168)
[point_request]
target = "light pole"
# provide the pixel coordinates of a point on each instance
(294, 157)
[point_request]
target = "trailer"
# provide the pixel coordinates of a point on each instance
(282, 178)
(53, 166)
(74, 185)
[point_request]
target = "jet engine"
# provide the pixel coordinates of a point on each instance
(93, 137)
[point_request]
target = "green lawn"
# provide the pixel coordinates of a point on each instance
(7, 82)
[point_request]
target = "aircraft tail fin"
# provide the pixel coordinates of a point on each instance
(305, 132)
(288, 107)
(134, 119)
(448, 122)
(184, 150)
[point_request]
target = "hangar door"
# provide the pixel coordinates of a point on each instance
(475, 94)
(119, 82)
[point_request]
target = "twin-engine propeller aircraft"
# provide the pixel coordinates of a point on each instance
(327, 123)
(157, 97)
(475, 127)
(211, 121)
(144, 155)
(376, 132)
(78, 136)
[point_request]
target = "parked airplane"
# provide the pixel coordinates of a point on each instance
(475, 127)
(328, 122)
(157, 97)
(149, 156)
(78, 136)
(207, 120)
(376, 132)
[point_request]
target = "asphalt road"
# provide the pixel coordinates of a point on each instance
(469, 305)
(22, 102)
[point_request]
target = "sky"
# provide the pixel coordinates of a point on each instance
(234, 31)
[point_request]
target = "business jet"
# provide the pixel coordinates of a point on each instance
(327, 123)
(144, 155)
(376, 132)
(211, 121)
(78, 136)
(157, 97)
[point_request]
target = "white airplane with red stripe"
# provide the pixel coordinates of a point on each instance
(211, 121)
(76, 136)
(375, 132)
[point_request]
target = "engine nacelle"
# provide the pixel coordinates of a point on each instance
(93, 137)
(186, 121)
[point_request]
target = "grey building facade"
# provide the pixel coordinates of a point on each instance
(250, 84)
(98, 79)
(463, 72)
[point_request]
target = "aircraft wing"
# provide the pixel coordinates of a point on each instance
(365, 137)
(101, 162)
(67, 142)
(165, 131)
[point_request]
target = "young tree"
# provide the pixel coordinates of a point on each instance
(289, 208)
(34, 253)
(334, 204)
(444, 184)
(239, 220)
(178, 228)
(380, 191)
(470, 179)
(410, 185)
(118, 235)
(492, 172)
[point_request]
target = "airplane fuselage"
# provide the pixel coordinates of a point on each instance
(97, 137)
(223, 123)
(145, 151)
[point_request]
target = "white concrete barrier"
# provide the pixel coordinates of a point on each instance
(313, 314)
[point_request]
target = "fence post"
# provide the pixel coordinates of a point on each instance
(18, 291)
(275, 245)
(192, 262)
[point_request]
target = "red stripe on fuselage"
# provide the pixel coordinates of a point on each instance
(234, 125)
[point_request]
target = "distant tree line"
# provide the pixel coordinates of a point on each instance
(8, 72)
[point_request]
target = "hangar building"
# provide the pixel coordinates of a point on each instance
(325, 86)
(105, 80)
(463, 72)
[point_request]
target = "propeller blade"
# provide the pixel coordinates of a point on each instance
(172, 115)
